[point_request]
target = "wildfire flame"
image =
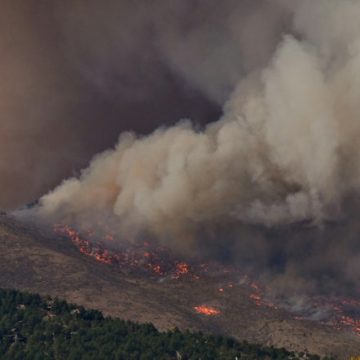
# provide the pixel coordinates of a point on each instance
(337, 310)
(342, 313)
(155, 260)
(206, 310)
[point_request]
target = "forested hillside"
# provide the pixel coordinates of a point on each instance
(33, 327)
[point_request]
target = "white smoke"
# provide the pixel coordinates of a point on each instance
(285, 149)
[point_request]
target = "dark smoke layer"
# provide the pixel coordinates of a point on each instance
(267, 185)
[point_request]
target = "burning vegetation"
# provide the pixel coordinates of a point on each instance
(206, 310)
(161, 263)
(141, 257)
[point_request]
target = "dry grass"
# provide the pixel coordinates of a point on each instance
(30, 260)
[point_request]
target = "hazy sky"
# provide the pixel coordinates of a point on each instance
(73, 75)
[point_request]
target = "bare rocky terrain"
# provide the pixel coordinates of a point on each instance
(32, 260)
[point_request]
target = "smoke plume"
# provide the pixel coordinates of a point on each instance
(275, 180)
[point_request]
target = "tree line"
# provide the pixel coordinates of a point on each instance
(43, 328)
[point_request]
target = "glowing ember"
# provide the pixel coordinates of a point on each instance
(181, 269)
(256, 298)
(157, 269)
(206, 310)
(346, 313)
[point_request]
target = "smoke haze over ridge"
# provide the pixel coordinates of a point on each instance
(283, 151)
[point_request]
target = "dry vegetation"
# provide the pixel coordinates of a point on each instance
(31, 260)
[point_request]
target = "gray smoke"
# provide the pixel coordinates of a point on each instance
(284, 151)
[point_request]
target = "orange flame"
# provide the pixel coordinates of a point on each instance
(206, 310)
(137, 258)
(182, 268)
(156, 260)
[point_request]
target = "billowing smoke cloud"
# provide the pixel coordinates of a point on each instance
(70, 70)
(283, 153)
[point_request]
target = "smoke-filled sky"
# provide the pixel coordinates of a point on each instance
(74, 74)
(271, 88)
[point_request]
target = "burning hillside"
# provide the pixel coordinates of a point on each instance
(34, 260)
(157, 261)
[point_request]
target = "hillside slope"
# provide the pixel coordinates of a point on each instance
(34, 261)
(34, 327)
